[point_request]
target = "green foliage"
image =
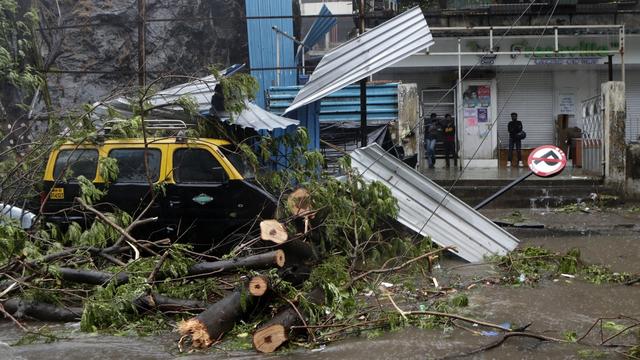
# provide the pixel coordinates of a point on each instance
(16, 47)
(460, 300)
(127, 129)
(108, 168)
(634, 351)
(88, 191)
(236, 89)
(591, 354)
(201, 289)
(599, 274)
(570, 336)
(334, 270)
(111, 307)
(515, 217)
(13, 242)
(43, 335)
(352, 211)
(535, 262)
(572, 208)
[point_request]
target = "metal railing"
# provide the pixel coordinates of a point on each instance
(592, 135)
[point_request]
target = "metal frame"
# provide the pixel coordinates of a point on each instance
(593, 159)
(556, 51)
(154, 124)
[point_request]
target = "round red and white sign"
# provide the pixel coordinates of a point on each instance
(547, 160)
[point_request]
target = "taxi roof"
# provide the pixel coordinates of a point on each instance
(152, 140)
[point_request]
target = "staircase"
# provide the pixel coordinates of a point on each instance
(537, 193)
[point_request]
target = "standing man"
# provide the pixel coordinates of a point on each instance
(430, 138)
(449, 132)
(515, 138)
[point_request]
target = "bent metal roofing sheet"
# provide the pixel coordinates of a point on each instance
(382, 46)
(454, 223)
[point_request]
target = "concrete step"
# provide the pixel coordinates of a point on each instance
(528, 194)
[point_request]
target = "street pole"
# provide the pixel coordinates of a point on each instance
(142, 67)
(459, 110)
(363, 89)
(503, 190)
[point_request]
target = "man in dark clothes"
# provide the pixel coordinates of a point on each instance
(432, 128)
(514, 128)
(449, 134)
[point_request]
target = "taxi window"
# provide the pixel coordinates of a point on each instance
(76, 162)
(131, 165)
(239, 161)
(196, 166)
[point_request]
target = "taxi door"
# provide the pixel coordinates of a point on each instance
(197, 196)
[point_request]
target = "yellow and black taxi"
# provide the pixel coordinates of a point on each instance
(207, 192)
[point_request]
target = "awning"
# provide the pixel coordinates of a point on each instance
(257, 118)
(376, 49)
(199, 90)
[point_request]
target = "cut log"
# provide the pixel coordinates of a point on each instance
(253, 262)
(91, 277)
(276, 331)
(258, 285)
(299, 202)
(272, 230)
(209, 326)
(151, 302)
(41, 311)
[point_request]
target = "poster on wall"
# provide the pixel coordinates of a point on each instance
(483, 115)
(567, 103)
(476, 101)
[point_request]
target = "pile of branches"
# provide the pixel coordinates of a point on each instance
(302, 274)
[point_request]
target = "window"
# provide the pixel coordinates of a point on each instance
(75, 163)
(131, 165)
(196, 166)
(239, 161)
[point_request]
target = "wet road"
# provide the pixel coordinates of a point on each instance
(553, 307)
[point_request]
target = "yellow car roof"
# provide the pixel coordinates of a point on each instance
(151, 140)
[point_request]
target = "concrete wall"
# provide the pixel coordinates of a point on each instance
(405, 130)
(615, 115)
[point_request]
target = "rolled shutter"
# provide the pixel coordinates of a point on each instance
(532, 99)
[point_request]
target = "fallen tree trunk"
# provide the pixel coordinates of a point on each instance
(41, 311)
(91, 276)
(254, 262)
(260, 261)
(153, 301)
(301, 257)
(276, 331)
(209, 326)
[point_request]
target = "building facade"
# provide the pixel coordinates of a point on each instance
(540, 60)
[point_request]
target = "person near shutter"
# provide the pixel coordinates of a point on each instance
(430, 138)
(514, 128)
(449, 139)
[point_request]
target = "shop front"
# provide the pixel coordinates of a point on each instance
(542, 79)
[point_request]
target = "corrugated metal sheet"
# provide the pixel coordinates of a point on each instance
(454, 223)
(199, 90)
(262, 43)
(319, 28)
(257, 118)
(344, 105)
(384, 45)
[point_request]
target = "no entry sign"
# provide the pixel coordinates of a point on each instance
(547, 160)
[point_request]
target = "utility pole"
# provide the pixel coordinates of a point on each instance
(363, 88)
(142, 67)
